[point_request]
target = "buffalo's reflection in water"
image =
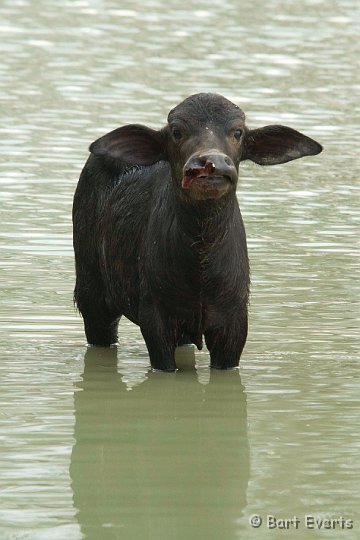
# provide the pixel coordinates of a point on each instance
(168, 459)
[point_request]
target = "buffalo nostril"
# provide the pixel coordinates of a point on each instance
(227, 161)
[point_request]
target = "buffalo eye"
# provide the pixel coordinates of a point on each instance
(176, 133)
(237, 134)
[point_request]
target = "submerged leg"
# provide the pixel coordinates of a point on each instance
(100, 323)
(226, 344)
(101, 330)
(161, 335)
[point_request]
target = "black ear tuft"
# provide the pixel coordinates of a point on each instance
(133, 144)
(272, 145)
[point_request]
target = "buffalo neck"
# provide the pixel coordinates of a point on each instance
(205, 224)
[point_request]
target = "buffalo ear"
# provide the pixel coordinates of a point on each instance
(271, 145)
(133, 144)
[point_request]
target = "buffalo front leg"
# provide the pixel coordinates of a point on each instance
(161, 335)
(100, 321)
(226, 344)
(100, 324)
(100, 329)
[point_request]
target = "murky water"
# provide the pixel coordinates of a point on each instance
(93, 445)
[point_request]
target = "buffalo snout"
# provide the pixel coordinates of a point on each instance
(209, 174)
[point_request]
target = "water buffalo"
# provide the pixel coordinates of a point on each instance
(158, 233)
